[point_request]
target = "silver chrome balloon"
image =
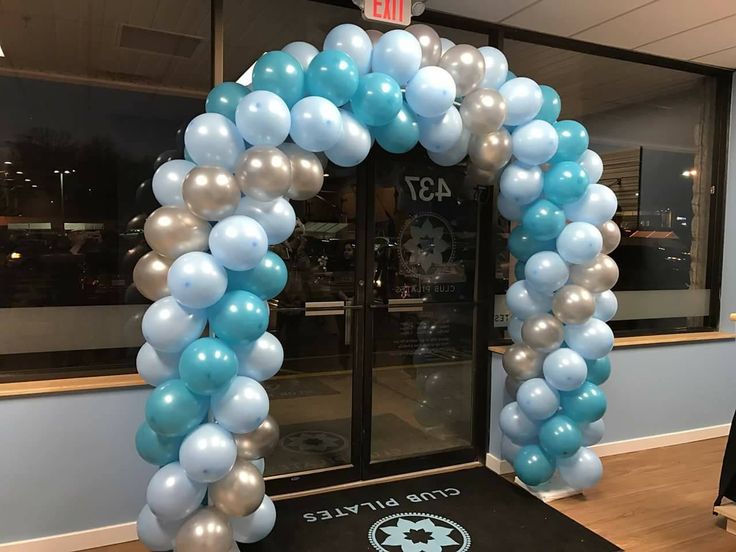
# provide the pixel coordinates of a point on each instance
(543, 333)
(597, 276)
(211, 193)
(173, 231)
(483, 111)
(466, 65)
(240, 492)
(264, 173)
(521, 362)
(611, 236)
(374, 35)
(476, 176)
(208, 530)
(490, 151)
(512, 386)
(430, 42)
(149, 275)
(573, 304)
(259, 443)
(307, 173)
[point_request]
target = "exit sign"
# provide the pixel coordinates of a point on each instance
(396, 12)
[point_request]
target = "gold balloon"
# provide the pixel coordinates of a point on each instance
(466, 65)
(264, 173)
(240, 492)
(542, 332)
(208, 530)
(307, 174)
(611, 236)
(483, 111)
(599, 275)
(260, 442)
(490, 151)
(173, 231)
(430, 42)
(149, 275)
(521, 362)
(211, 193)
(573, 304)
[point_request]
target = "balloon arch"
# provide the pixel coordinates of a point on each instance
(206, 423)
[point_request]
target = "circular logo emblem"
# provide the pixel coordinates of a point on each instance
(313, 442)
(414, 532)
(427, 244)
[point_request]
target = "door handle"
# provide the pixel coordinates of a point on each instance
(406, 305)
(324, 308)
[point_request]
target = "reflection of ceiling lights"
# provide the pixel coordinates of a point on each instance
(689, 173)
(2, 54)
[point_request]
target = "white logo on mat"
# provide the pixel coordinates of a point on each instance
(415, 532)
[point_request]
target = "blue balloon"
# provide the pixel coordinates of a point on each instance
(206, 365)
(521, 183)
(156, 367)
(509, 449)
(154, 533)
(524, 302)
(534, 143)
(565, 182)
(401, 134)
(510, 76)
(431, 92)
(592, 339)
(197, 280)
(208, 453)
(355, 144)
(543, 220)
(519, 270)
(332, 74)
(224, 99)
(517, 426)
(441, 133)
(599, 370)
(354, 41)
(266, 280)
(316, 124)
(277, 217)
(533, 466)
(213, 139)
(455, 154)
(592, 433)
(560, 436)
(497, 67)
(564, 369)
(378, 100)
(585, 404)
(579, 243)
(573, 141)
(169, 326)
(261, 359)
(168, 181)
(537, 399)
(523, 100)
(509, 209)
(546, 272)
(303, 52)
(154, 448)
(514, 329)
(582, 470)
(551, 104)
(172, 410)
(263, 119)
(597, 205)
(238, 242)
(239, 316)
(171, 495)
(398, 54)
(280, 73)
(241, 406)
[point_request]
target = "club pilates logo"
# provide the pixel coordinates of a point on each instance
(415, 532)
(427, 243)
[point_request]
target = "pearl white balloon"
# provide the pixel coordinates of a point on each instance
(169, 326)
(263, 118)
(355, 144)
(208, 453)
(441, 133)
(354, 41)
(276, 217)
(197, 280)
(446, 44)
(497, 67)
(606, 306)
(213, 139)
(172, 495)
(156, 367)
(523, 100)
(238, 242)
(260, 360)
(597, 205)
(397, 54)
(168, 180)
(257, 526)
(303, 52)
(592, 164)
(455, 154)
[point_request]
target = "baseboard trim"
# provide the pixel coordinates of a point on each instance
(72, 542)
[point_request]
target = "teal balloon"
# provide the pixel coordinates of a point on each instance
(519, 270)
(172, 410)
(560, 436)
(401, 134)
(332, 74)
(206, 365)
(599, 370)
(533, 466)
(510, 76)
(585, 404)
(154, 448)
(551, 104)
(239, 316)
(573, 140)
(280, 73)
(224, 99)
(266, 280)
(377, 100)
(543, 220)
(565, 182)
(522, 244)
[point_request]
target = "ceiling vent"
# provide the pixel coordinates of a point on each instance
(158, 42)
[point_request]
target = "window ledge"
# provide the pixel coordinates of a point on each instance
(70, 385)
(654, 340)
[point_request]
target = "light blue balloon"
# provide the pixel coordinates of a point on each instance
(431, 92)
(510, 75)
(256, 526)
(213, 139)
(156, 535)
(154, 448)
(533, 466)
(606, 306)
(593, 339)
(497, 67)
(239, 316)
(537, 399)
(586, 404)
(280, 73)
(172, 410)
(276, 217)
(455, 154)
(599, 370)
(597, 205)
(303, 52)
(333, 75)
(544, 220)
(242, 406)
(378, 100)
(261, 359)
(197, 280)
(441, 133)
(224, 99)
(156, 367)
(355, 144)
(509, 209)
(267, 279)
(565, 182)
(573, 141)
(524, 302)
(206, 365)
(523, 100)
(592, 164)
(260, 464)
(354, 41)
(551, 104)
(517, 426)
(534, 143)
(560, 436)
(546, 272)
(171, 495)
(522, 183)
(564, 369)
(509, 449)
(208, 453)
(401, 134)
(514, 329)
(169, 326)
(263, 119)
(592, 433)
(316, 124)
(398, 54)
(582, 470)
(168, 181)
(238, 242)
(579, 243)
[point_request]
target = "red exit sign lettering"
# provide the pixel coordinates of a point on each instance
(397, 12)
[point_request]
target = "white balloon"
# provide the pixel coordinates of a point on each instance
(156, 367)
(592, 165)
(606, 306)
(168, 181)
(497, 67)
(446, 44)
(276, 217)
(260, 360)
(303, 52)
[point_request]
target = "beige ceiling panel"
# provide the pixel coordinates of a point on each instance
(725, 58)
(697, 42)
(487, 10)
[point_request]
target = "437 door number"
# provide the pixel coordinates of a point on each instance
(426, 188)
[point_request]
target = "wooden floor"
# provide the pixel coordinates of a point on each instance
(647, 501)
